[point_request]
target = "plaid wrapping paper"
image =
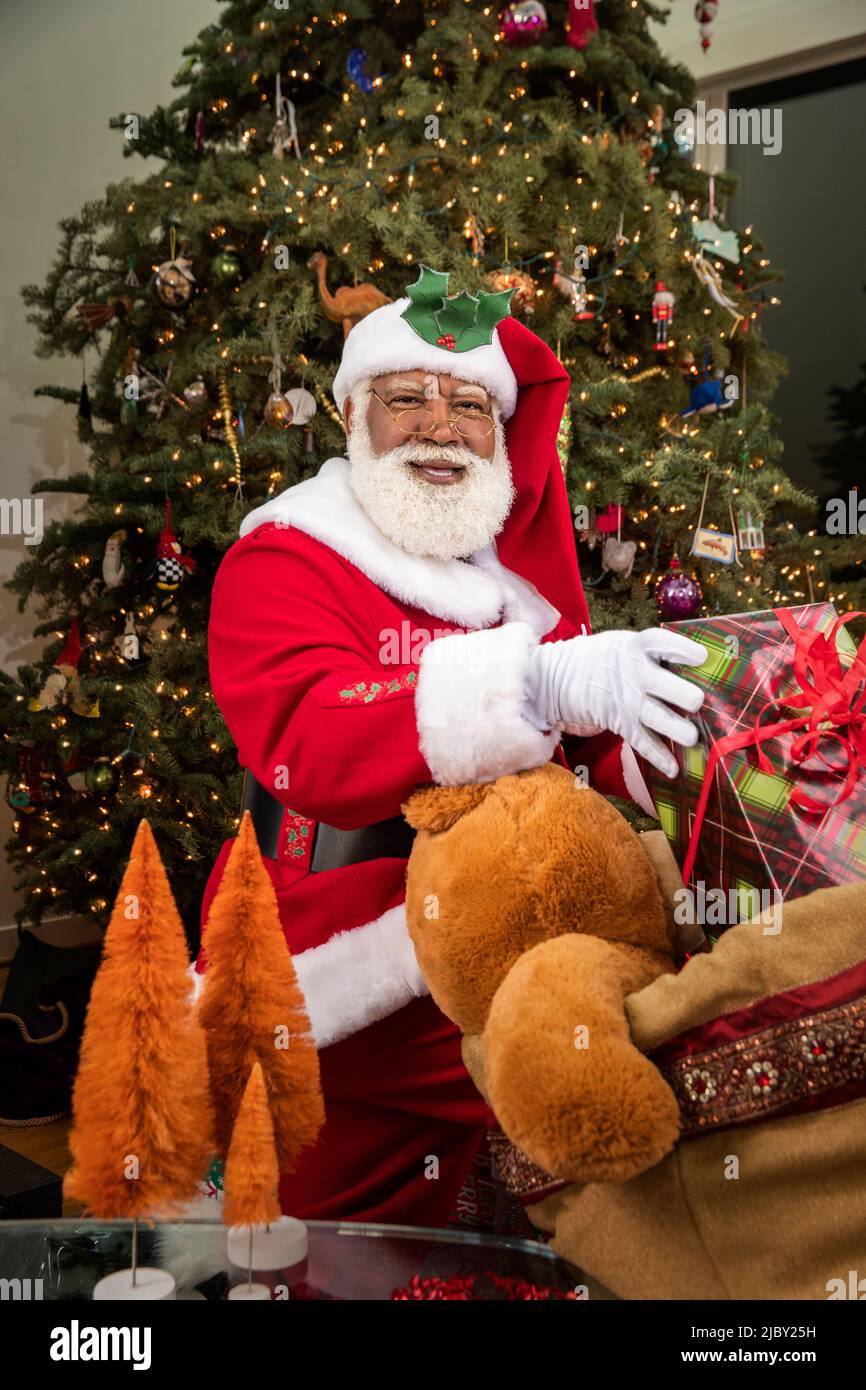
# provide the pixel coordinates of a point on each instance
(753, 838)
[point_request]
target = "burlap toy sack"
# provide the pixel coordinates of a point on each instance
(764, 1196)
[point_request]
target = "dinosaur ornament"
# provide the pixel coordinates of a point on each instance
(350, 303)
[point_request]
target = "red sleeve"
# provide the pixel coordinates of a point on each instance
(320, 723)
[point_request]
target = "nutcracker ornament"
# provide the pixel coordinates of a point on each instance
(24, 786)
(663, 316)
(171, 562)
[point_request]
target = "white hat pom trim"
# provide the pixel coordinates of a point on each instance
(384, 342)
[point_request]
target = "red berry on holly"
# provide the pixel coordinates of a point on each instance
(446, 341)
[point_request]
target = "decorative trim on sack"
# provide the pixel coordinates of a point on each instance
(804, 1064)
(525, 1180)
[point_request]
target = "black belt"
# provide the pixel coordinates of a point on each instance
(332, 848)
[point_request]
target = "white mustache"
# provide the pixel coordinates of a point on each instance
(437, 454)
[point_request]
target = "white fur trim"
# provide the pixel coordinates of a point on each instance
(471, 706)
(469, 593)
(637, 787)
(384, 342)
(359, 976)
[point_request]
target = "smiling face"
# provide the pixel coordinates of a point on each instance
(448, 412)
(429, 463)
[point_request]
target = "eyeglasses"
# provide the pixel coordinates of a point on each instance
(465, 418)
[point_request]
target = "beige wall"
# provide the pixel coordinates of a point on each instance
(746, 32)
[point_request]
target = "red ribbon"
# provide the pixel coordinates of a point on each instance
(834, 701)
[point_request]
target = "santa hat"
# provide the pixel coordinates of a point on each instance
(476, 339)
(433, 332)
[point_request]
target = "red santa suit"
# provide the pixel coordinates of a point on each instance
(323, 642)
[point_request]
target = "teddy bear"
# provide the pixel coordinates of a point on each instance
(629, 1093)
(534, 910)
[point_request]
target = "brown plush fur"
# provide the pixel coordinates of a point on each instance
(534, 910)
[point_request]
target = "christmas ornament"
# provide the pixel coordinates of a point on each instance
(519, 283)
(100, 777)
(716, 242)
(355, 65)
(707, 397)
(350, 303)
(161, 628)
(199, 131)
(61, 684)
(523, 23)
(617, 556)
(705, 13)
(663, 315)
(226, 266)
(73, 770)
(113, 568)
(708, 544)
(581, 23)
(171, 562)
(195, 394)
(126, 644)
(573, 287)
(303, 405)
(171, 285)
(24, 786)
(750, 532)
(712, 282)
(677, 594)
(285, 132)
(131, 278)
(278, 411)
(98, 315)
(655, 146)
(85, 414)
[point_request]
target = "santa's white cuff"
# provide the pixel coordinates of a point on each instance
(637, 787)
(359, 977)
(471, 704)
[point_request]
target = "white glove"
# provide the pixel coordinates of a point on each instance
(612, 680)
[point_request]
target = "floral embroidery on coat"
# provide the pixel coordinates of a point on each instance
(367, 691)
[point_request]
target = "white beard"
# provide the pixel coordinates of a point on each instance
(445, 521)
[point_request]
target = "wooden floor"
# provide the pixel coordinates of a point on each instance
(45, 1144)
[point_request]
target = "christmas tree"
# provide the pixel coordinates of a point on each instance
(310, 163)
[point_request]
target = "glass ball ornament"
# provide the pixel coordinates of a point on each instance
(678, 594)
(522, 24)
(226, 266)
(278, 411)
(100, 777)
(171, 286)
(523, 285)
(195, 394)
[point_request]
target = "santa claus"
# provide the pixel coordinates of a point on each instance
(414, 614)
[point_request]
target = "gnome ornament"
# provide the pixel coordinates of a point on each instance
(171, 562)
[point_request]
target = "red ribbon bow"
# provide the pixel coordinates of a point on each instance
(834, 705)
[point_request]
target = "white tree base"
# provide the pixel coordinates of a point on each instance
(150, 1285)
(279, 1246)
(250, 1292)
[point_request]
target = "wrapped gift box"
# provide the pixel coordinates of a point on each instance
(757, 836)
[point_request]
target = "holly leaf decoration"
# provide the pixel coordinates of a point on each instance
(460, 322)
